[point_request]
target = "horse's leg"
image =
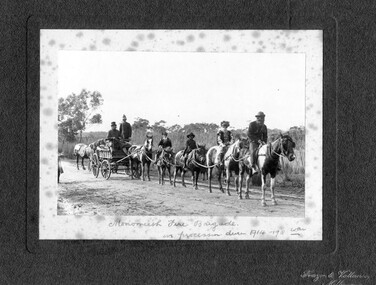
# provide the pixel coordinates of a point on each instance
(193, 179)
(197, 174)
(82, 162)
(220, 179)
(169, 174)
(77, 158)
(247, 181)
(228, 173)
(182, 177)
(272, 186)
(131, 167)
(209, 178)
(241, 173)
(148, 164)
(159, 174)
(175, 173)
(163, 173)
(143, 170)
(263, 187)
(237, 182)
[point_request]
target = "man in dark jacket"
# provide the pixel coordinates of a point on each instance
(189, 146)
(113, 133)
(257, 134)
(125, 129)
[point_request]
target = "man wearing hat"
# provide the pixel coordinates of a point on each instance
(224, 139)
(257, 134)
(189, 146)
(125, 129)
(113, 133)
(164, 143)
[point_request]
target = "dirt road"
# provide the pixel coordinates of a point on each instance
(80, 193)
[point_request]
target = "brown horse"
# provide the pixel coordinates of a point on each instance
(164, 162)
(142, 155)
(195, 163)
(231, 163)
(268, 157)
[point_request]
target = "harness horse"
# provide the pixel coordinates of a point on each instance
(164, 162)
(231, 163)
(195, 163)
(83, 151)
(142, 156)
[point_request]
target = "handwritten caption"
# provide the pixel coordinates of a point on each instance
(341, 277)
(207, 229)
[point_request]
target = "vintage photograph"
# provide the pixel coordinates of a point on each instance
(181, 134)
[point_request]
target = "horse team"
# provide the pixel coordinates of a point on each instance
(237, 159)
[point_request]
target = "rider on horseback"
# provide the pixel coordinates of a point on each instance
(164, 144)
(258, 135)
(189, 146)
(224, 139)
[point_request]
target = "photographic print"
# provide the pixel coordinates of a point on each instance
(181, 134)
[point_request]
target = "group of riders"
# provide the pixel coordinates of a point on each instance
(257, 136)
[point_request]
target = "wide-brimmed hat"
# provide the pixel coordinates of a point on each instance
(113, 124)
(191, 135)
(260, 114)
(225, 123)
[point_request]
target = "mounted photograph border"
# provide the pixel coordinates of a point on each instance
(328, 243)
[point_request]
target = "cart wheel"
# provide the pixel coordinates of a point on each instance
(95, 165)
(106, 169)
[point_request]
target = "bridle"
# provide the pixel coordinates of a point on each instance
(282, 154)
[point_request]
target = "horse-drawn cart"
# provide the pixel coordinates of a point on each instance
(108, 160)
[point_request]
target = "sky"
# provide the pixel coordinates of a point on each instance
(189, 87)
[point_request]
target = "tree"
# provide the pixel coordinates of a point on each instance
(77, 111)
(159, 126)
(140, 123)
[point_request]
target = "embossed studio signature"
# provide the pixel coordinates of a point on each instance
(341, 277)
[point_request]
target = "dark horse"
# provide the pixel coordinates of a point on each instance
(245, 166)
(164, 162)
(195, 163)
(83, 151)
(142, 155)
(268, 157)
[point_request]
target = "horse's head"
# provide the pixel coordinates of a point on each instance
(200, 154)
(287, 147)
(148, 144)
